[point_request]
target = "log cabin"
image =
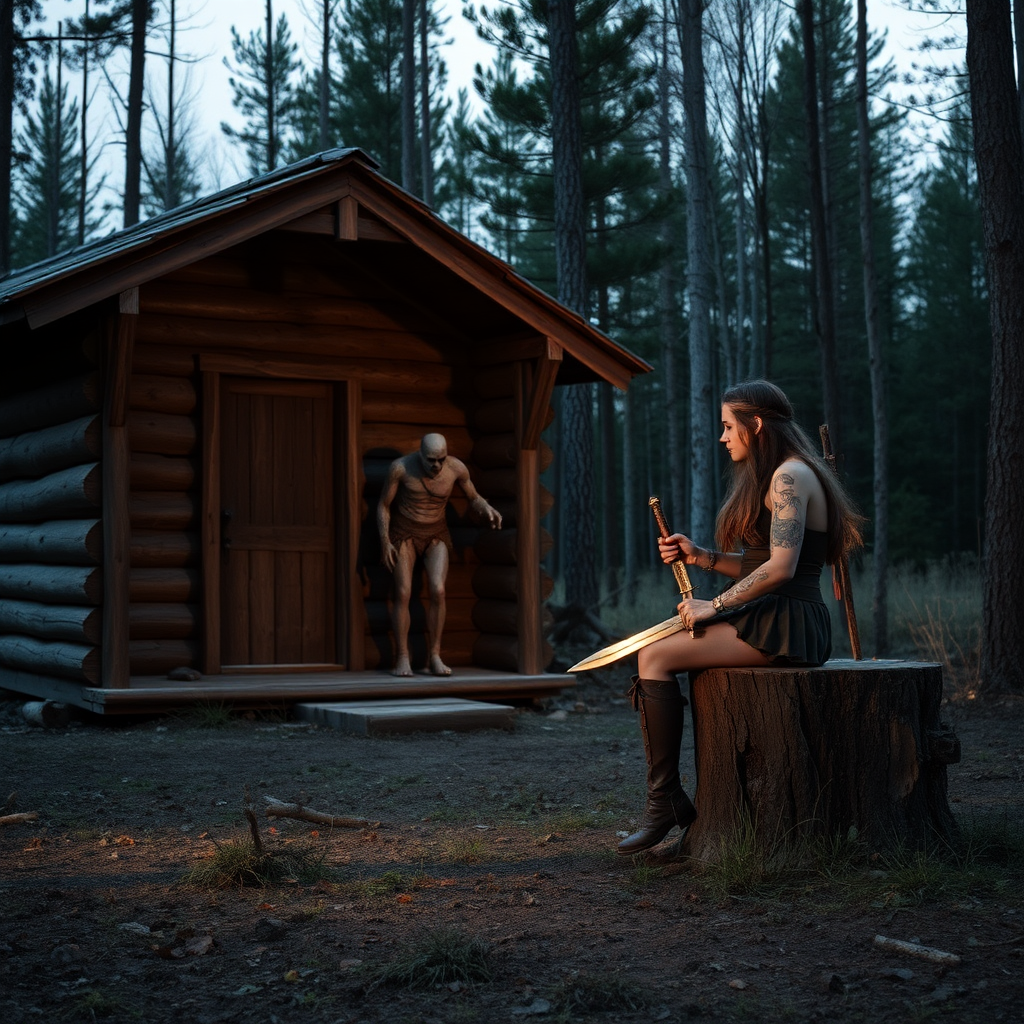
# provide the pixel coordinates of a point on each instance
(196, 417)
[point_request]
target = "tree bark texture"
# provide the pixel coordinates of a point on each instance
(578, 494)
(7, 44)
(825, 317)
(133, 131)
(698, 274)
(67, 494)
(876, 362)
(409, 95)
(47, 406)
(999, 154)
(784, 754)
(39, 452)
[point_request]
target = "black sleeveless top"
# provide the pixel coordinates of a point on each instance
(791, 624)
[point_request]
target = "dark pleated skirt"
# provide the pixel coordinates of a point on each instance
(787, 630)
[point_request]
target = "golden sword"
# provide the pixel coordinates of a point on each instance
(634, 643)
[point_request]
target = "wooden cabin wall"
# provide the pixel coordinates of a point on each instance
(287, 298)
(163, 503)
(495, 580)
(50, 530)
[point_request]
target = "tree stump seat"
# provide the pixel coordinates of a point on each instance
(853, 748)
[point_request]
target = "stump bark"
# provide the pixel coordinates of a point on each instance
(783, 754)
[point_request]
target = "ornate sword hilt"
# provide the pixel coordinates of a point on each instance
(678, 566)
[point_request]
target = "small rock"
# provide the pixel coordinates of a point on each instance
(535, 1009)
(270, 929)
(737, 983)
(899, 974)
(135, 927)
(558, 716)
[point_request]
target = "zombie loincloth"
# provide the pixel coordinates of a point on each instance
(422, 535)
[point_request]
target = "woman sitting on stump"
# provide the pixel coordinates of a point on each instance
(788, 515)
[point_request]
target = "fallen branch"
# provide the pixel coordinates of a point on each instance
(938, 956)
(7, 815)
(280, 809)
(14, 819)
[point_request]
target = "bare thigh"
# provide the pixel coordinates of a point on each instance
(719, 647)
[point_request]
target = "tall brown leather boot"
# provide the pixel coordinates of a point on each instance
(661, 722)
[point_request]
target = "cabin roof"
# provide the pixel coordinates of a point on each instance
(480, 296)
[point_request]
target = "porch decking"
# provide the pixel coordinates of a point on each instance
(155, 694)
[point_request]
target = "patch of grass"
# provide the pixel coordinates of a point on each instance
(385, 885)
(439, 958)
(575, 819)
(585, 994)
(463, 850)
(240, 862)
(207, 715)
(642, 876)
(94, 1003)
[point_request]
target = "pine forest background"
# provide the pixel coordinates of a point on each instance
(485, 164)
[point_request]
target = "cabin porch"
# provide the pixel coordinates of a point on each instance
(158, 694)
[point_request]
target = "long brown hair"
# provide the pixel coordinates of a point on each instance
(779, 438)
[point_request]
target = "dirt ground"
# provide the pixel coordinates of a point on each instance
(507, 837)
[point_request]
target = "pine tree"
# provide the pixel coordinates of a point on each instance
(937, 459)
(264, 91)
(17, 70)
(369, 111)
(46, 196)
(171, 175)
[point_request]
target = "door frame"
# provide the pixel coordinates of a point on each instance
(348, 490)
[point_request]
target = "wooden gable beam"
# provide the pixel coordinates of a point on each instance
(544, 321)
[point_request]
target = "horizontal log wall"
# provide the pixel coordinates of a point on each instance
(163, 509)
(51, 538)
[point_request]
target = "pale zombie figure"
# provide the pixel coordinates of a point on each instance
(411, 522)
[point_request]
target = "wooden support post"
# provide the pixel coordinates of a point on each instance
(115, 669)
(210, 658)
(530, 652)
(351, 629)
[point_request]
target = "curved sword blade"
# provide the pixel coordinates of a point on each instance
(632, 644)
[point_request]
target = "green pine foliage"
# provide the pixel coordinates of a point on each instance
(265, 100)
(46, 181)
(938, 455)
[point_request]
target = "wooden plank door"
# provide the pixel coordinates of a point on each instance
(277, 523)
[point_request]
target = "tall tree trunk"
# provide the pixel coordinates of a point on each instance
(999, 154)
(7, 44)
(631, 497)
(1018, 35)
(698, 273)
(880, 560)
(409, 95)
(579, 561)
(54, 169)
(426, 133)
(171, 196)
(83, 157)
(268, 74)
(669, 319)
(324, 109)
(825, 320)
(133, 132)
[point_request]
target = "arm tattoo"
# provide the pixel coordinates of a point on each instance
(787, 514)
(739, 589)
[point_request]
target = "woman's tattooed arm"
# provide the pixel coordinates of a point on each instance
(739, 590)
(787, 512)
